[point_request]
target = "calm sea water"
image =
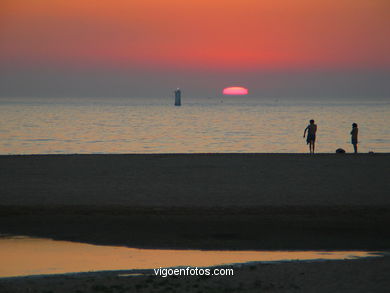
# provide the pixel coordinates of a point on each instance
(233, 124)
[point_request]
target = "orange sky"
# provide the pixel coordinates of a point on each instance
(215, 34)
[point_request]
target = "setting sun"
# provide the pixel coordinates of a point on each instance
(235, 90)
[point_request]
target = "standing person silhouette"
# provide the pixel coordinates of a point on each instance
(354, 136)
(311, 135)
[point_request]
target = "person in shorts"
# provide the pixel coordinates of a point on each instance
(311, 135)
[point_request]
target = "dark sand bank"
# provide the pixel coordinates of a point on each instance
(196, 180)
(364, 275)
(219, 201)
(262, 228)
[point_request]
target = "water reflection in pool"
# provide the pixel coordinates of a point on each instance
(23, 256)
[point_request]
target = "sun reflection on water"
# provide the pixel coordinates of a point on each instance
(22, 256)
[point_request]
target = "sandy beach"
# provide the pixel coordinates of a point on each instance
(195, 180)
(206, 201)
(221, 201)
(366, 275)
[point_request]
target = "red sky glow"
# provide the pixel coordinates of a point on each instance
(218, 34)
(280, 48)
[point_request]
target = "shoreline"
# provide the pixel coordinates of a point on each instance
(322, 276)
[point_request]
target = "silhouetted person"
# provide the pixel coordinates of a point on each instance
(311, 135)
(354, 136)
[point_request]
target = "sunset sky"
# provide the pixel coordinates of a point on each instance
(146, 48)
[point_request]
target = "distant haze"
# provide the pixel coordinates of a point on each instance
(275, 48)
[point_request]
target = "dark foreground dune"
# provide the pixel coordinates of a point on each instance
(206, 201)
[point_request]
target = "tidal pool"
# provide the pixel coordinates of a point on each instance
(24, 256)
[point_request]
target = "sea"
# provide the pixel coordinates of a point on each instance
(228, 124)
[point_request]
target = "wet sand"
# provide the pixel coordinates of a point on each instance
(242, 229)
(365, 275)
(209, 201)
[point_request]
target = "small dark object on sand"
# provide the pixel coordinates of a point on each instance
(340, 151)
(371, 152)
